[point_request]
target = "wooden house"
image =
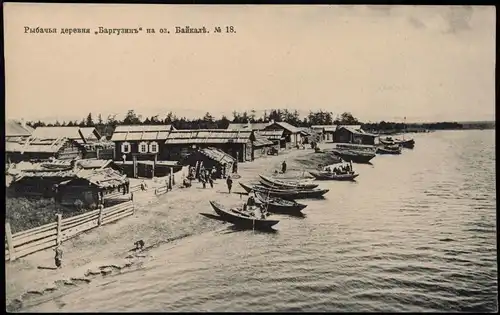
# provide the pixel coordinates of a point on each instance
(209, 158)
(74, 183)
(17, 131)
(81, 135)
(41, 149)
(353, 134)
(325, 132)
(140, 142)
(275, 136)
(261, 145)
(238, 144)
(290, 133)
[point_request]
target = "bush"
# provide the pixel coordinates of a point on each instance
(24, 213)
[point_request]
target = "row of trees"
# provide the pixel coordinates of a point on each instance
(106, 126)
(208, 121)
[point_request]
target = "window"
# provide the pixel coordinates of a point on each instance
(126, 147)
(143, 147)
(153, 147)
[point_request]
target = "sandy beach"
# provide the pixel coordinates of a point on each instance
(157, 221)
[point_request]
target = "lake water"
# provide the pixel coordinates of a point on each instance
(416, 232)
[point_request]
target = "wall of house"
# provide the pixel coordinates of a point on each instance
(176, 152)
(69, 151)
(134, 150)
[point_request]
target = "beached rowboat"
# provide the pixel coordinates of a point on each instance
(279, 205)
(322, 175)
(354, 156)
(389, 149)
(281, 184)
(286, 193)
(241, 218)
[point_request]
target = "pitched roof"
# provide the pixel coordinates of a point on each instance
(141, 132)
(218, 155)
(248, 126)
(208, 136)
(330, 128)
(261, 141)
(14, 129)
(357, 131)
(270, 134)
(35, 145)
(286, 126)
(67, 132)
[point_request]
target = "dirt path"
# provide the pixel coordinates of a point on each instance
(157, 220)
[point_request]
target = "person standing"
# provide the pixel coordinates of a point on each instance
(211, 181)
(58, 257)
(229, 182)
(283, 167)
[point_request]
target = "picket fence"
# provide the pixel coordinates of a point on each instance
(53, 234)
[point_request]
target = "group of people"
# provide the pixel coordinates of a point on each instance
(251, 204)
(339, 170)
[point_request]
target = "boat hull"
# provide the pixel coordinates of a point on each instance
(330, 176)
(388, 151)
(279, 184)
(279, 205)
(355, 157)
(286, 194)
(240, 220)
(409, 144)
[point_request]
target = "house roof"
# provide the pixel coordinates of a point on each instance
(67, 132)
(270, 134)
(35, 145)
(248, 126)
(217, 155)
(141, 132)
(330, 128)
(286, 126)
(261, 141)
(58, 165)
(208, 136)
(14, 128)
(357, 131)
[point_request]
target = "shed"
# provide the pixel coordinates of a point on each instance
(209, 158)
(353, 134)
(43, 149)
(236, 143)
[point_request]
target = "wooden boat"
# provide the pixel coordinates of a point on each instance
(409, 144)
(279, 205)
(322, 175)
(286, 193)
(241, 218)
(387, 141)
(288, 184)
(389, 149)
(353, 156)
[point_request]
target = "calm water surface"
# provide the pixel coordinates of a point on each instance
(416, 232)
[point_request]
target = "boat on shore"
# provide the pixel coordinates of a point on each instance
(353, 156)
(242, 218)
(409, 143)
(389, 149)
(288, 194)
(288, 184)
(323, 175)
(279, 205)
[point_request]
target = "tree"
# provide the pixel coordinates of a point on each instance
(82, 123)
(132, 118)
(223, 123)
(89, 122)
(208, 118)
(346, 118)
(99, 119)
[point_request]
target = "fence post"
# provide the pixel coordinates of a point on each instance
(10, 244)
(59, 229)
(101, 208)
(132, 196)
(172, 175)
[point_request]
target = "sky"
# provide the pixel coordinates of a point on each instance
(425, 63)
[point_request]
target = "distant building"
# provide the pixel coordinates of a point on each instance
(17, 131)
(248, 126)
(81, 135)
(43, 149)
(291, 133)
(325, 132)
(236, 143)
(275, 136)
(353, 134)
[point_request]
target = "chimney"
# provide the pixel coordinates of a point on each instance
(271, 121)
(23, 122)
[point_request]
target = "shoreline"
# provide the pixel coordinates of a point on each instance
(157, 221)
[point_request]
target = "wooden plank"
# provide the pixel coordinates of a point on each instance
(36, 249)
(109, 214)
(59, 229)
(31, 238)
(118, 216)
(114, 209)
(10, 241)
(42, 228)
(34, 244)
(82, 221)
(78, 218)
(70, 233)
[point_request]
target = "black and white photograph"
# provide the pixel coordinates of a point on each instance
(250, 158)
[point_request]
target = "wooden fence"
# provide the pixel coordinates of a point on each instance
(53, 234)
